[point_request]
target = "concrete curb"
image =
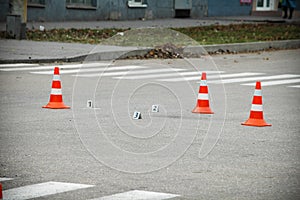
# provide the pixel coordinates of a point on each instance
(191, 51)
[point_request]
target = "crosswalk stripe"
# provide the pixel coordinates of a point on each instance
(91, 70)
(75, 66)
(280, 82)
(211, 77)
(295, 86)
(5, 179)
(138, 195)
(17, 65)
(146, 71)
(167, 75)
(257, 78)
(42, 189)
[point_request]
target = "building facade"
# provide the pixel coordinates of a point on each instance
(84, 10)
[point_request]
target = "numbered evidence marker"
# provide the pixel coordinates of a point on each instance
(89, 103)
(155, 108)
(137, 115)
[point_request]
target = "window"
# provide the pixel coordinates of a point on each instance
(81, 3)
(137, 4)
(36, 3)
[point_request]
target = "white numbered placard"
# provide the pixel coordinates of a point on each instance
(155, 108)
(89, 104)
(137, 115)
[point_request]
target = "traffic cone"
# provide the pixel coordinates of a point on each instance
(1, 195)
(202, 106)
(256, 114)
(56, 100)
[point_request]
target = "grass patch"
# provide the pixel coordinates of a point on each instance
(215, 34)
(242, 33)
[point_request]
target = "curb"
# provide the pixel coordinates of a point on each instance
(189, 51)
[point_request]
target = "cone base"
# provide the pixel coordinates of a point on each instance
(56, 105)
(256, 122)
(202, 110)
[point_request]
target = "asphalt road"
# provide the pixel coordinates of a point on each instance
(172, 151)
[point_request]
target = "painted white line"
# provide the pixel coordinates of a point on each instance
(138, 195)
(5, 179)
(146, 71)
(295, 86)
(90, 70)
(167, 75)
(280, 82)
(209, 77)
(74, 66)
(17, 65)
(257, 78)
(40, 190)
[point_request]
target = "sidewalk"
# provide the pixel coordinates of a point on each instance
(16, 51)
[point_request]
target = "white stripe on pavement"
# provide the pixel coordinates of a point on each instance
(168, 75)
(2, 179)
(90, 70)
(17, 65)
(257, 78)
(295, 86)
(146, 71)
(40, 190)
(280, 82)
(138, 195)
(212, 77)
(75, 66)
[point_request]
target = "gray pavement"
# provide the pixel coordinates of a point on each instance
(39, 145)
(14, 51)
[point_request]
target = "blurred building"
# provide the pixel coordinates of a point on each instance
(68, 10)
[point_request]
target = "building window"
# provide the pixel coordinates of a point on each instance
(36, 3)
(137, 4)
(81, 4)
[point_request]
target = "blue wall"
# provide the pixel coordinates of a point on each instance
(227, 8)
(57, 10)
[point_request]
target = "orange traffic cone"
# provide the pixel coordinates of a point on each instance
(256, 114)
(202, 106)
(56, 101)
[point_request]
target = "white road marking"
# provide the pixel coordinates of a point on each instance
(257, 78)
(17, 65)
(74, 66)
(295, 86)
(2, 179)
(90, 70)
(280, 82)
(138, 195)
(168, 75)
(40, 190)
(146, 71)
(209, 77)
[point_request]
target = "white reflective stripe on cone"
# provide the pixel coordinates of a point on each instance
(257, 92)
(256, 107)
(203, 83)
(56, 91)
(56, 77)
(203, 96)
